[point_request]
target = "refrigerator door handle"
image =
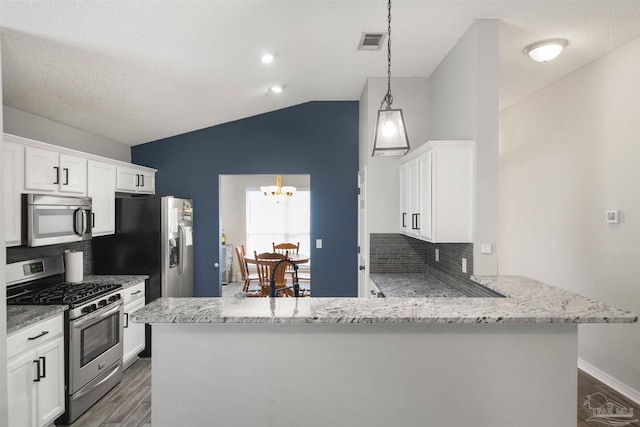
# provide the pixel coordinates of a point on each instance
(183, 248)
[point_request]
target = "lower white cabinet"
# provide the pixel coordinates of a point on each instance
(133, 340)
(36, 374)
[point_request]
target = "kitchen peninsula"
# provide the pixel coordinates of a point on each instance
(372, 362)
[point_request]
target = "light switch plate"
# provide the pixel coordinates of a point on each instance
(464, 265)
(437, 255)
(318, 243)
(613, 216)
(485, 248)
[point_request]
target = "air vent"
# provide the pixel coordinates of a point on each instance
(371, 41)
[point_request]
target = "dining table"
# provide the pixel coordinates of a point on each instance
(295, 258)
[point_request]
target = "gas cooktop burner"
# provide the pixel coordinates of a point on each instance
(62, 294)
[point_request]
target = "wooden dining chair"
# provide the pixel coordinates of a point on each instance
(244, 271)
(282, 248)
(265, 273)
(274, 256)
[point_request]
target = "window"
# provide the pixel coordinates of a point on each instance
(271, 219)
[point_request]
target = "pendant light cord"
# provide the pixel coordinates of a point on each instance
(388, 98)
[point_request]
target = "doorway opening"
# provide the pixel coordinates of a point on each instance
(251, 219)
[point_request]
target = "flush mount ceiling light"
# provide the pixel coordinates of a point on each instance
(278, 190)
(267, 57)
(277, 88)
(546, 50)
(390, 138)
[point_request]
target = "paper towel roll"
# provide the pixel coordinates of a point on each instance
(73, 267)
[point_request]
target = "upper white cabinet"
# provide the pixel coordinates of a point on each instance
(30, 166)
(135, 180)
(101, 187)
(12, 188)
(51, 171)
(437, 192)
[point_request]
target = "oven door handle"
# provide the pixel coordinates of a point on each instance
(98, 384)
(82, 322)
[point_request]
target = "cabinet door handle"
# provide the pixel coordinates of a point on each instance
(66, 176)
(43, 333)
(142, 176)
(38, 376)
(44, 366)
(404, 215)
(57, 175)
(137, 180)
(126, 320)
(136, 293)
(93, 220)
(417, 221)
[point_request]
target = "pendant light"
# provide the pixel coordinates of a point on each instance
(390, 137)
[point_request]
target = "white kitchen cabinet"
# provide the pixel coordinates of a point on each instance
(36, 374)
(12, 188)
(54, 172)
(134, 338)
(101, 187)
(135, 180)
(438, 185)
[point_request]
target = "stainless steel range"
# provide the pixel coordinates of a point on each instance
(93, 327)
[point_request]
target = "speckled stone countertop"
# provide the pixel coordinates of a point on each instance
(413, 285)
(124, 280)
(21, 316)
(528, 301)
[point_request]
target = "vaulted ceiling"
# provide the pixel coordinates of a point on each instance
(137, 71)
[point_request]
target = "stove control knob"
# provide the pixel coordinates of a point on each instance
(115, 297)
(102, 302)
(89, 308)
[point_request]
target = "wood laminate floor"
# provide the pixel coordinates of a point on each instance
(129, 403)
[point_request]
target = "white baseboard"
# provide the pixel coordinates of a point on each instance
(614, 383)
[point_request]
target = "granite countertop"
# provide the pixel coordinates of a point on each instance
(124, 280)
(413, 285)
(527, 301)
(21, 316)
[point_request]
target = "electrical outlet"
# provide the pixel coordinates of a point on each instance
(318, 243)
(464, 265)
(437, 255)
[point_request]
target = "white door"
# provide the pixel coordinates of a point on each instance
(73, 174)
(128, 179)
(425, 168)
(21, 387)
(13, 183)
(50, 388)
(363, 235)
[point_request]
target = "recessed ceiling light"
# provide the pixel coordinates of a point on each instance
(267, 57)
(277, 88)
(546, 50)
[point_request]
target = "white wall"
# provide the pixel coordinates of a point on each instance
(21, 123)
(3, 292)
(410, 94)
(464, 104)
(568, 153)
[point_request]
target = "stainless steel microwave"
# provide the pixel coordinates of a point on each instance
(56, 219)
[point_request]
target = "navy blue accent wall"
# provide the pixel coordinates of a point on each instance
(316, 138)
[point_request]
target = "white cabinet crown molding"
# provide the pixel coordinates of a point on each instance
(63, 150)
(430, 145)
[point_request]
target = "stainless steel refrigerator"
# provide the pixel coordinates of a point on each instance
(154, 236)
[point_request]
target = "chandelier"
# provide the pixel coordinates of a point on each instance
(391, 135)
(278, 189)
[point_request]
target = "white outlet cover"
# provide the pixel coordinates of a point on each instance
(486, 248)
(318, 243)
(464, 265)
(437, 255)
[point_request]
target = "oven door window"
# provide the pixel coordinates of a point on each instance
(99, 337)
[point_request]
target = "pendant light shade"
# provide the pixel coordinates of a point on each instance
(390, 138)
(391, 135)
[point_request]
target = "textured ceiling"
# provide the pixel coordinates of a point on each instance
(137, 71)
